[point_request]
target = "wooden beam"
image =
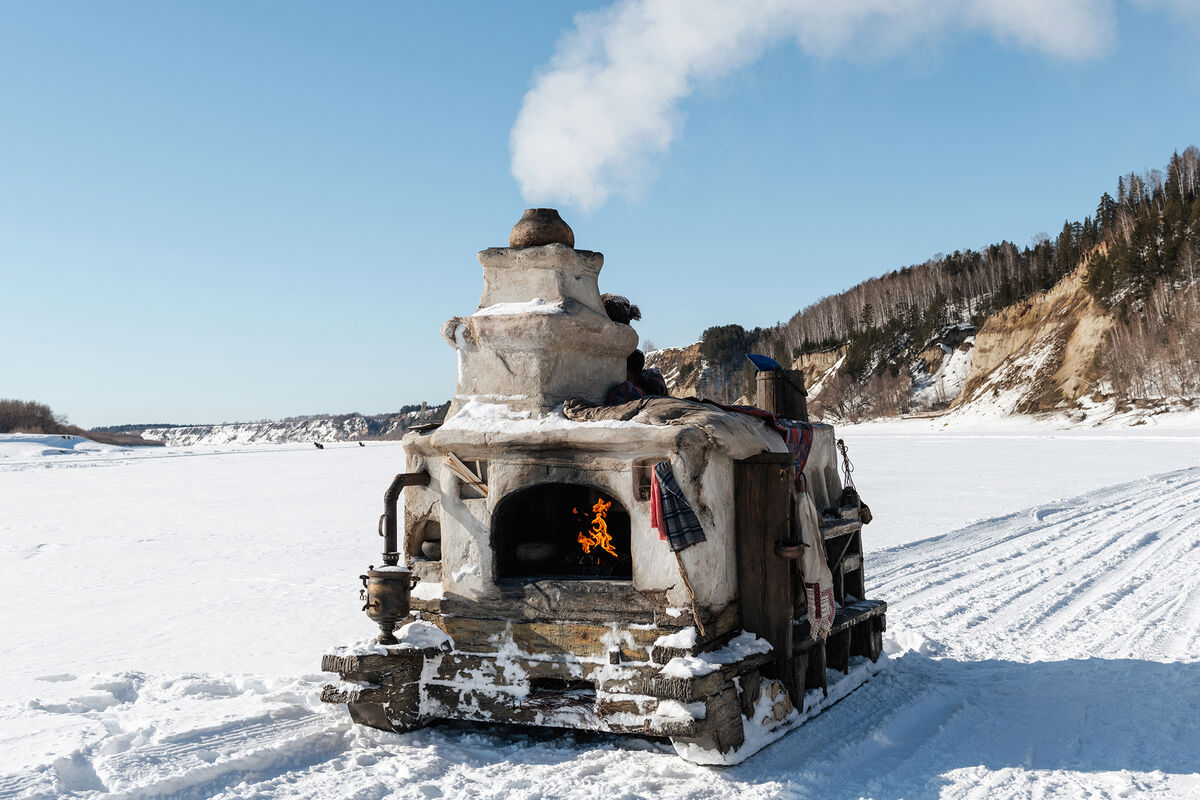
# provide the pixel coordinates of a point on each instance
(455, 465)
(762, 517)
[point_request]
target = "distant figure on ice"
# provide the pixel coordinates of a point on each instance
(319, 446)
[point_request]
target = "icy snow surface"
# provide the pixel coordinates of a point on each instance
(165, 610)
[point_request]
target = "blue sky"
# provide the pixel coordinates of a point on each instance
(230, 211)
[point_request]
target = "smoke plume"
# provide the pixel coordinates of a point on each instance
(608, 102)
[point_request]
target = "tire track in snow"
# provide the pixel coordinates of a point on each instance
(145, 762)
(1107, 573)
(202, 763)
(962, 726)
(1071, 579)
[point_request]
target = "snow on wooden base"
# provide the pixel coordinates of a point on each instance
(762, 729)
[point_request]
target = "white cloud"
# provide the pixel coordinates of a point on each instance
(609, 101)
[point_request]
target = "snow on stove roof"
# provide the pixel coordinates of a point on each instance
(484, 416)
(485, 420)
(535, 306)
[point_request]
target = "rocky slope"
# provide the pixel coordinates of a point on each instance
(819, 367)
(1039, 355)
(1043, 354)
(682, 367)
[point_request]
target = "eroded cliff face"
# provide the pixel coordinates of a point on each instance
(682, 367)
(1040, 354)
(818, 367)
(1035, 356)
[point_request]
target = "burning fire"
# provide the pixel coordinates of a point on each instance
(597, 535)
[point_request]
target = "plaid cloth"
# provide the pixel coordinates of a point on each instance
(797, 435)
(676, 519)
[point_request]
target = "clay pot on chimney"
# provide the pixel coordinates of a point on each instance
(539, 226)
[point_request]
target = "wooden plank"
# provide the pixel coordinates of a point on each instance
(400, 665)
(856, 612)
(721, 729)
(762, 513)
(685, 690)
(334, 693)
(846, 617)
(635, 678)
(547, 639)
(453, 702)
(597, 601)
(800, 678)
(831, 528)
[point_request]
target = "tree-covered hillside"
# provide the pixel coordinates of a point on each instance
(1140, 250)
(27, 416)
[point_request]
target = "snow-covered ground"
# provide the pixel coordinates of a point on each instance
(922, 480)
(164, 611)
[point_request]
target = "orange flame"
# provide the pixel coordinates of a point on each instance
(598, 535)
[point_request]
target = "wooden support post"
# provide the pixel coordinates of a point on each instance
(762, 502)
(799, 678)
(765, 384)
(815, 672)
(866, 638)
(837, 651)
(782, 392)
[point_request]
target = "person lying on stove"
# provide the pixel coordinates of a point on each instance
(649, 380)
(639, 382)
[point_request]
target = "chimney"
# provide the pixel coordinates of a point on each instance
(540, 334)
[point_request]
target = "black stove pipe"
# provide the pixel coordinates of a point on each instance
(387, 522)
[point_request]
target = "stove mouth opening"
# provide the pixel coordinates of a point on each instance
(561, 530)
